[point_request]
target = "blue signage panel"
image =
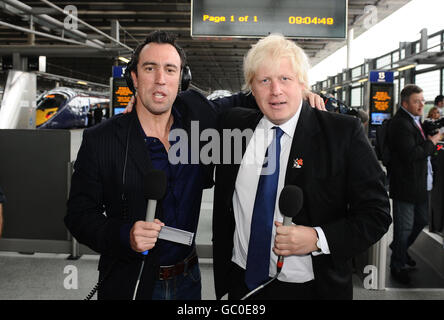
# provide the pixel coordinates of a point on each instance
(381, 76)
(118, 71)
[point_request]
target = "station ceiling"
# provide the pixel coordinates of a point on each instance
(215, 63)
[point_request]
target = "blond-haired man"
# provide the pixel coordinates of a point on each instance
(345, 209)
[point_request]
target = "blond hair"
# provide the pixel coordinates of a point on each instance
(273, 48)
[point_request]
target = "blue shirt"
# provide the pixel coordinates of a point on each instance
(182, 201)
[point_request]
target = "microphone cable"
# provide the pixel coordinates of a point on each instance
(263, 285)
(138, 278)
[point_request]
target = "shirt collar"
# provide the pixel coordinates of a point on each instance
(416, 118)
(288, 127)
(177, 121)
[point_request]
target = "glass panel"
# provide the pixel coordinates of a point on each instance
(429, 82)
(356, 97)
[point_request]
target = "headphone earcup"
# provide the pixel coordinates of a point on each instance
(128, 79)
(186, 78)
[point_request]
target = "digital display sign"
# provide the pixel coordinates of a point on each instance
(121, 94)
(381, 97)
(378, 118)
(326, 19)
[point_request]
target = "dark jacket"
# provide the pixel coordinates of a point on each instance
(97, 187)
(408, 155)
(343, 190)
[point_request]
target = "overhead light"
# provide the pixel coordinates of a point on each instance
(410, 66)
(42, 63)
(126, 60)
(338, 87)
(82, 82)
(363, 80)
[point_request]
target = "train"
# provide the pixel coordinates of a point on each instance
(67, 108)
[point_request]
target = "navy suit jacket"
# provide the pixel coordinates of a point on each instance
(343, 190)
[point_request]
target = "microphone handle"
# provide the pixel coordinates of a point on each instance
(151, 210)
(150, 214)
(280, 262)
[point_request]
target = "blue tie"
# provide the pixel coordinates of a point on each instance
(258, 259)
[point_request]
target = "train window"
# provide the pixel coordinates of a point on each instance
(51, 101)
(48, 106)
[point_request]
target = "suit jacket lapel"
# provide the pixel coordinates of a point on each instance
(304, 148)
(248, 119)
(250, 122)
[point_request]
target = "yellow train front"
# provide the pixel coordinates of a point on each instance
(66, 108)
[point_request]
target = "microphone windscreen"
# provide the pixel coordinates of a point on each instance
(291, 200)
(155, 183)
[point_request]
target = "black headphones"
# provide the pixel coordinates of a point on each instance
(185, 76)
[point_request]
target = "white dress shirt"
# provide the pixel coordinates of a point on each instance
(296, 269)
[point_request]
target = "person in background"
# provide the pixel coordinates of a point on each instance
(439, 103)
(411, 178)
(434, 114)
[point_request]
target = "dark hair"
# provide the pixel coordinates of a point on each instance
(157, 37)
(408, 91)
(438, 99)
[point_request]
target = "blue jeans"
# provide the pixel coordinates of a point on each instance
(408, 221)
(186, 286)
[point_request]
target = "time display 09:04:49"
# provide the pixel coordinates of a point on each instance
(310, 20)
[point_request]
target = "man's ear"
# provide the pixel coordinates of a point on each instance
(134, 77)
(403, 104)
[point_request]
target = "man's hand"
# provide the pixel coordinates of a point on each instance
(129, 106)
(143, 235)
(315, 100)
(294, 239)
(435, 138)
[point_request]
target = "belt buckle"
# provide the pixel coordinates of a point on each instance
(166, 273)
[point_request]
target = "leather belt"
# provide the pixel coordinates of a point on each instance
(169, 272)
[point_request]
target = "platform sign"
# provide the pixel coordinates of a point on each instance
(118, 71)
(381, 98)
(121, 94)
(324, 19)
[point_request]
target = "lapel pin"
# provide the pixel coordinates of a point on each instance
(298, 163)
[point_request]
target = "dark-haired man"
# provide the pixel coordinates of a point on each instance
(411, 178)
(109, 175)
